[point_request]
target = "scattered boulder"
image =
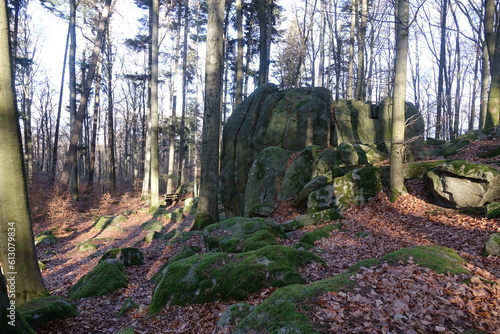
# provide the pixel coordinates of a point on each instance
(239, 234)
(356, 187)
(128, 305)
(152, 225)
(43, 310)
(104, 222)
(460, 184)
(105, 277)
(86, 246)
(222, 276)
(291, 119)
(493, 210)
(311, 219)
(316, 183)
(234, 313)
(264, 178)
(129, 256)
(492, 246)
(184, 253)
(46, 238)
(281, 313)
(319, 233)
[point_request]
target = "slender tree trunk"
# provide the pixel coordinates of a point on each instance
(95, 122)
(182, 137)
(475, 83)
(398, 109)
(239, 57)
(155, 175)
(350, 70)
(442, 68)
(360, 80)
(263, 43)
(111, 121)
(77, 126)
(59, 108)
(17, 250)
(485, 83)
(209, 184)
(493, 40)
(72, 171)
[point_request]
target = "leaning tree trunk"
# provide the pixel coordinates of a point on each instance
(77, 126)
(398, 108)
(17, 250)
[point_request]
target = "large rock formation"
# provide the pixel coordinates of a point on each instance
(292, 120)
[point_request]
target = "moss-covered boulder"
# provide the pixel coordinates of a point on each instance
(493, 210)
(492, 246)
(152, 225)
(190, 205)
(234, 313)
(222, 276)
(460, 184)
(324, 162)
(319, 233)
(104, 222)
(316, 183)
(281, 312)
(86, 246)
(42, 310)
(185, 252)
(265, 177)
(298, 173)
(357, 187)
(321, 199)
(105, 277)
(46, 238)
(311, 219)
(128, 305)
(291, 119)
(129, 256)
(241, 234)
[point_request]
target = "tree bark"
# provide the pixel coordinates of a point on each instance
(209, 184)
(155, 175)
(77, 126)
(17, 251)
(398, 108)
(263, 43)
(239, 57)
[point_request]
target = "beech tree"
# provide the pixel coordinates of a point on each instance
(208, 212)
(399, 99)
(17, 251)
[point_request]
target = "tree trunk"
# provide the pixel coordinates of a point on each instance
(360, 80)
(350, 70)
(95, 122)
(155, 175)
(442, 67)
(111, 127)
(209, 184)
(77, 126)
(17, 250)
(398, 108)
(239, 57)
(182, 131)
(263, 43)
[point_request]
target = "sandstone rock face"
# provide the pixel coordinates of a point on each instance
(366, 123)
(460, 184)
(291, 119)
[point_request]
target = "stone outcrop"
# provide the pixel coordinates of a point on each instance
(291, 119)
(459, 184)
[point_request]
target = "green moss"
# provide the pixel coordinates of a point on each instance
(312, 219)
(492, 246)
(85, 246)
(45, 238)
(241, 234)
(104, 222)
(152, 225)
(221, 276)
(45, 309)
(438, 258)
(125, 330)
(185, 252)
(490, 152)
(319, 233)
(201, 221)
(105, 277)
(128, 304)
(129, 256)
(493, 210)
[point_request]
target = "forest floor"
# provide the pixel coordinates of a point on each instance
(419, 299)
